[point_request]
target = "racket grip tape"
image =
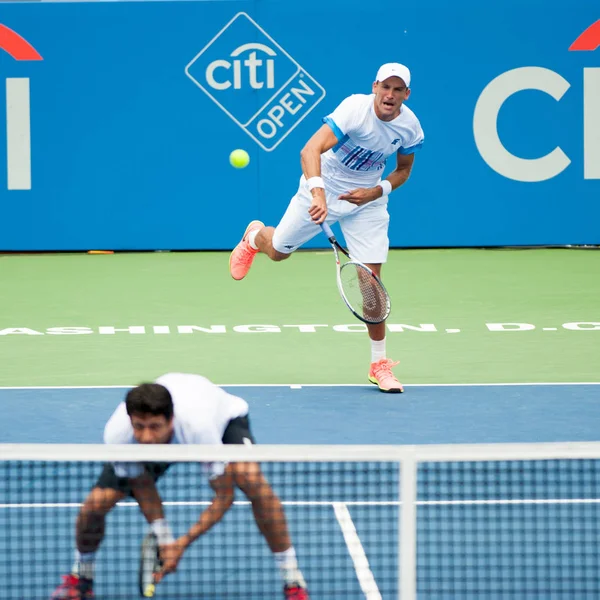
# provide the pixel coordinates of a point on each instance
(327, 230)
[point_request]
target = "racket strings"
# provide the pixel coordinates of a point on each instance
(364, 293)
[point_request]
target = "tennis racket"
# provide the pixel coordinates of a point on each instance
(150, 564)
(361, 290)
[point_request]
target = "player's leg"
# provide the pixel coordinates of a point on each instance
(264, 243)
(266, 506)
(268, 512)
(278, 243)
(89, 533)
(90, 529)
(270, 518)
(366, 234)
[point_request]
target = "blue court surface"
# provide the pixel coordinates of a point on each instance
(337, 414)
(485, 530)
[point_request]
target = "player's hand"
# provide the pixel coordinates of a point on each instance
(318, 208)
(361, 196)
(170, 555)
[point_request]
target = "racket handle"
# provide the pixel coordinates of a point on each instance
(327, 230)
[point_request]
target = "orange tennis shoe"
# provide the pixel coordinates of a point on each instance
(382, 376)
(295, 592)
(73, 588)
(243, 254)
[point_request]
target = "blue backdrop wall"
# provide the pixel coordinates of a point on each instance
(120, 117)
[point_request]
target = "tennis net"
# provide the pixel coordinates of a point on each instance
(377, 522)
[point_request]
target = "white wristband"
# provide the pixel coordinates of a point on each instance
(315, 182)
(162, 531)
(386, 186)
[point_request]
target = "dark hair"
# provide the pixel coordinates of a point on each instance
(149, 399)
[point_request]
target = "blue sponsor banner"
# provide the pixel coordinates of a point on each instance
(117, 119)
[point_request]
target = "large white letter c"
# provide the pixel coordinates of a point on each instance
(485, 124)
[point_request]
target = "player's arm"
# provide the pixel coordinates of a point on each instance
(310, 159)
(400, 175)
(144, 491)
(222, 500)
(310, 156)
(404, 164)
(221, 503)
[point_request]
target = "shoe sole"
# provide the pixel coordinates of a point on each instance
(245, 234)
(390, 391)
(86, 596)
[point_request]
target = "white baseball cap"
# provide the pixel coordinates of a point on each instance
(393, 70)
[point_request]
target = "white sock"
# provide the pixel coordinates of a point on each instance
(377, 350)
(288, 567)
(251, 238)
(84, 564)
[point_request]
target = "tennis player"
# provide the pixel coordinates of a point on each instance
(342, 164)
(179, 409)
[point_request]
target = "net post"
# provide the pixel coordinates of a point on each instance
(407, 537)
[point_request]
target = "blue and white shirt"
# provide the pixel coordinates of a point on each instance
(365, 142)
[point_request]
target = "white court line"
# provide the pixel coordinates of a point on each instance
(361, 564)
(301, 385)
(318, 503)
(497, 502)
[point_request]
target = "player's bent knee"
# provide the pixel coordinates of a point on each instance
(279, 256)
(100, 501)
(247, 472)
(273, 253)
(250, 479)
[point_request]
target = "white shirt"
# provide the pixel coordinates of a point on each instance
(201, 413)
(365, 142)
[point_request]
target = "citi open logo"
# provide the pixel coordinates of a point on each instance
(247, 74)
(18, 119)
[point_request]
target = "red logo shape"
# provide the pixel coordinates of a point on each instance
(589, 39)
(18, 47)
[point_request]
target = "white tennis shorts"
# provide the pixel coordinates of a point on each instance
(365, 228)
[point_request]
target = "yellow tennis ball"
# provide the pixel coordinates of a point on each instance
(239, 159)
